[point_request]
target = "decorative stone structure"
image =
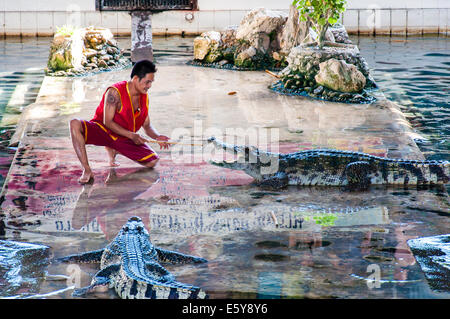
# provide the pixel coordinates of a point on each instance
(84, 51)
(254, 44)
(295, 32)
(267, 39)
(262, 40)
(337, 73)
(260, 27)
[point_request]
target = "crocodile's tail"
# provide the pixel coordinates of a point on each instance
(87, 257)
(174, 290)
(163, 292)
(418, 172)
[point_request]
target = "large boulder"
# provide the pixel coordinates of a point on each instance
(97, 38)
(259, 28)
(228, 37)
(304, 64)
(201, 47)
(340, 76)
(66, 50)
(294, 31)
(205, 43)
(306, 58)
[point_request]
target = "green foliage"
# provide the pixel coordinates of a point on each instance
(213, 56)
(322, 14)
(324, 220)
(65, 30)
(60, 60)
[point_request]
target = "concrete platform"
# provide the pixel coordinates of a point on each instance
(325, 238)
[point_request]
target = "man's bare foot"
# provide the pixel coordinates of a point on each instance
(86, 177)
(112, 157)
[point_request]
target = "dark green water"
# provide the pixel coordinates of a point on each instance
(414, 72)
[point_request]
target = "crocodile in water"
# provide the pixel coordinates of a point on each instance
(130, 265)
(331, 167)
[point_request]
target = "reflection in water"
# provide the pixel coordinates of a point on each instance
(321, 242)
(329, 260)
(322, 245)
(95, 202)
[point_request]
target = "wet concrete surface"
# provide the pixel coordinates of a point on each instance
(294, 243)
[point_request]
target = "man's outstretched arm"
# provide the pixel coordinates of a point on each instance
(153, 133)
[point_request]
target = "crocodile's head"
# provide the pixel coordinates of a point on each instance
(251, 160)
(134, 226)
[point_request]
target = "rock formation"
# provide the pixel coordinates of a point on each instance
(251, 45)
(338, 72)
(295, 32)
(340, 76)
(260, 27)
(263, 39)
(84, 51)
(267, 39)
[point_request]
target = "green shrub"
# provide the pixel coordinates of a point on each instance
(65, 30)
(321, 13)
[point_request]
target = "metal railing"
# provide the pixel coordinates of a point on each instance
(145, 5)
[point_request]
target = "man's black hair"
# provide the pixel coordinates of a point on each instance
(142, 68)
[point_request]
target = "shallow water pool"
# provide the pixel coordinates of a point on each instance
(324, 243)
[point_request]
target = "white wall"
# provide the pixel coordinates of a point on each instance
(46, 5)
(89, 5)
(242, 4)
(398, 4)
(41, 17)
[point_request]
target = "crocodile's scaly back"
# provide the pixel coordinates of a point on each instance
(141, 276)
(329, 167)
(130, 265)
(332, 167)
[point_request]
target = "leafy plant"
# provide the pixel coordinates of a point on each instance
(65, 30)
(321, 13)
(324, 220)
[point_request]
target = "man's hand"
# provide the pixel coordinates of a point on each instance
(138, 139)
(163, 138)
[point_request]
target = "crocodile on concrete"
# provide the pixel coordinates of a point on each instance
(354, 170)
(131, 265)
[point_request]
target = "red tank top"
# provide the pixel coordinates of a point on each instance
(125, 116)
